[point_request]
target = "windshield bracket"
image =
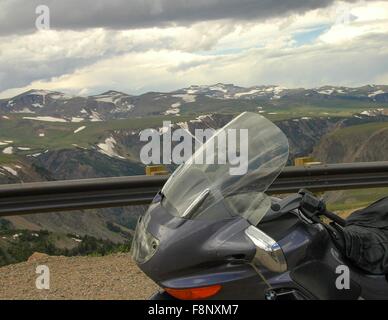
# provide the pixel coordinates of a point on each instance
(194, 206)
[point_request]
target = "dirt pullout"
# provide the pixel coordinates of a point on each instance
(110, 277)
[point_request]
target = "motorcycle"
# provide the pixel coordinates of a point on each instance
(215, 236)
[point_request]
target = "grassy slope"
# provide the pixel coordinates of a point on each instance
(58, 135)
(363, 130)
(284, 108)
(5, 159)
(25, 133)
(354, 199)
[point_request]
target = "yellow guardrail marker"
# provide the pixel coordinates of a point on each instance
(159, 170)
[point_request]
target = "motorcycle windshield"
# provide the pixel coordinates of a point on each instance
(228, 175)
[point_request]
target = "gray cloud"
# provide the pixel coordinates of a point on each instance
(239, 49)
(18, 16)
(25, 72)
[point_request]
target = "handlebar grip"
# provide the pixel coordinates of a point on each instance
(332, 216)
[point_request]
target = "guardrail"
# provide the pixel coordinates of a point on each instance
(139, 190)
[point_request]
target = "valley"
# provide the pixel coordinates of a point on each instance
(46, 136)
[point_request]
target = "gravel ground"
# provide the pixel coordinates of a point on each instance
(105, 278)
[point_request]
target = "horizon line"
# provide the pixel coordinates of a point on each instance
(181, 88)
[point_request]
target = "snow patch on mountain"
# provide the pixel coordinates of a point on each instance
(124, 107)
(374, 94)
(77, 119)
(219, 87)
(248, 93)
(161, 130)
(80, 129)
(275, 90)
(108, 148)
(34, 155)
(45, 119)
(327, 92)
(200, 119)
(95, 117)
(9, 170)
(188, 98)
(174, 109)
(8, 150)
(116, 98)
(374, 113)
(183, 125)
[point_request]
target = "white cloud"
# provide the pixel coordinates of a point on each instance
(366, 19)
(245, 52)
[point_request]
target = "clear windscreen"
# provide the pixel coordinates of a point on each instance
(228, 175)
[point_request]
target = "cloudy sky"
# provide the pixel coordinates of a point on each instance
(137, 46)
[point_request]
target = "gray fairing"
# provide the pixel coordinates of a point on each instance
(196, 253)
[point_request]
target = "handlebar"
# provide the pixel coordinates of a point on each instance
(310, 205)
(332, 216)
(313, 207)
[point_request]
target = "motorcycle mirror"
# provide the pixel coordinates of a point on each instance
(288, 204)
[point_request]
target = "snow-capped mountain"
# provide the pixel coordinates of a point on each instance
(43, 104)
(32, 101)
(230, 91)
(122, 101)
(57, 106)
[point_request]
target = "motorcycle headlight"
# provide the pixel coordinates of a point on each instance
(144, 244)
(268, 252)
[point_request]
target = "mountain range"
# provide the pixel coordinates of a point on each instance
(194, 99)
